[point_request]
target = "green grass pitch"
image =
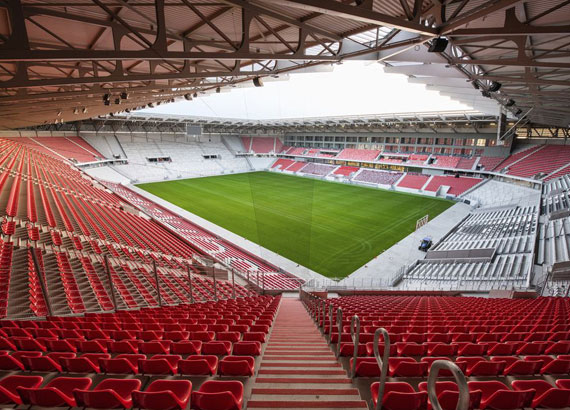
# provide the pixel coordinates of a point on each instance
(329, 227)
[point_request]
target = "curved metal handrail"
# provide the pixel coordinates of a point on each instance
(382, 361)
(463, 401)
(339, 327)
(355, 336)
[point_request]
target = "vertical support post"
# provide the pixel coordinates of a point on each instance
(233, 285)
(263, 283)
(108, 270)
(215, 284)
(41, 280)
(190, 284)
(157, 284)
(339, 328)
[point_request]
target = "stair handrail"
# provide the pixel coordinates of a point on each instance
(339, 328)
(463, 400)
(355, 336)
(331, 315)
(324, 309)
(382, 361)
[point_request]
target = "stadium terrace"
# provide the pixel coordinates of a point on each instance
(403, 261)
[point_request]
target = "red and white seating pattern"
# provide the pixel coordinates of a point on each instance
(219, 249)
(65, 147)
(345, 171)
(354, 154)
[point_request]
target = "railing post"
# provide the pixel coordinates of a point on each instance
(110, 279)
(324, 313)
(463, 401)
(157, 283)
(339, 328)
(233, 285)
(331, 315)
(382, 361)
(215, 284)
(190, 284)
(43, 286)
(263, 283)
(355, 336)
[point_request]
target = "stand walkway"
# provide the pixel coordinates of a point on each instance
(298, 370)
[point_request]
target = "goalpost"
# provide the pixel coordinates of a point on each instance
(422, 221)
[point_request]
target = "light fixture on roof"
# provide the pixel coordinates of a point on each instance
(258, 82)
(124, 95)
(195, 95)
(117, 101)
(59, 113)
(188, 97)
(106, 97)
(475, 84)
(495, 86)
(218, 90)
(438, 45)
(76, 110)
(150, 105)
(84, 110)
(510, 103)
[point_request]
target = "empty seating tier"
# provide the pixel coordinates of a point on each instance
(413, 181)
(358, 154)
(457, 186)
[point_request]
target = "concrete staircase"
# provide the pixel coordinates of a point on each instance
(298, 370)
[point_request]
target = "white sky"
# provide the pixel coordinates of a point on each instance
(352, 88)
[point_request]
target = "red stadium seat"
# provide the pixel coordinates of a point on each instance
(546, 395)
(366, 367)
(198, 365)
(87, 363)
(218, 395)
(399, 396)
(217, 348)
(237, 366)
(160, 364)
(496, 395)
(10, 384)
(109, 394)
(164, 395)
(57, 393)
(448, 395)
(122, 364)
(191, 347)
(247, 349)
(406, 367)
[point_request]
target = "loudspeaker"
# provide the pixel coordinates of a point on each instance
(495, 86)
(438, 45)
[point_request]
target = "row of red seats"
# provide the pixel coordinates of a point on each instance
(482, 395)
(237, 364)
(128, 345)
(460, 348)
(121, 393)
(470, 365)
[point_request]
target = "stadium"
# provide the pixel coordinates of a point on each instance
(406, 260)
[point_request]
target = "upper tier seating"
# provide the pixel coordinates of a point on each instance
(466, 163)
(358, 154)
(457, 186)
(414, 181)
(489, 163)
(446, 162)
(65, 147)
(417, 159)
(262, 145)
(377, 177)
(516, 157)
(545, 160)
